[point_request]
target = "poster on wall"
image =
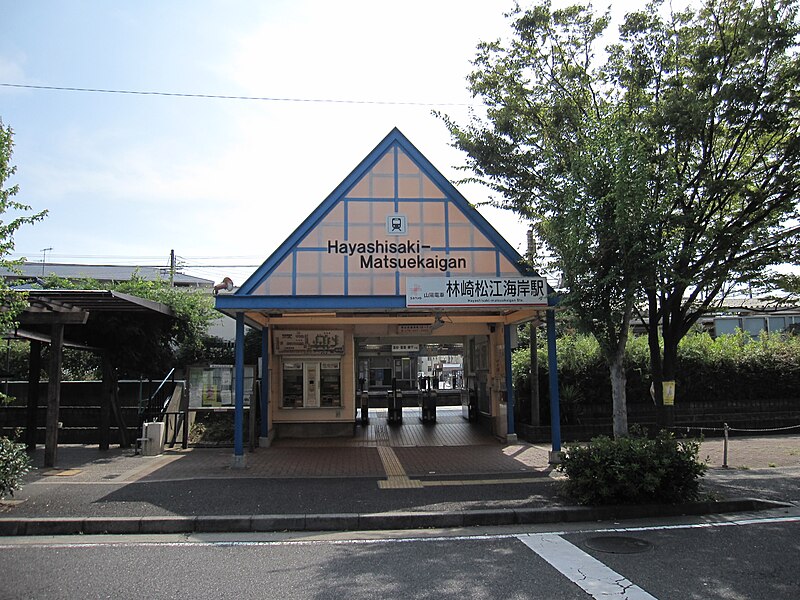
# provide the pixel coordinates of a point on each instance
(215, 386)
(308, 341)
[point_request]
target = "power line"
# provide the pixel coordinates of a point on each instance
(228, 97)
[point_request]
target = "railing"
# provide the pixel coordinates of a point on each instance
(155, 406)
(727, 429)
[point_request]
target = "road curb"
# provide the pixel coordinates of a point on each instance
(32, 526)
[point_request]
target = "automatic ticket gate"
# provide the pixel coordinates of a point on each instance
(364, 407)
(427, 405)
(394, 401)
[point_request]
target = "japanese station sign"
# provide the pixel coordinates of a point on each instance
(476, 291)
(306, 341)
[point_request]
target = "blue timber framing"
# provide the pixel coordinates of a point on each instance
(509, 380)
(552, 364)
(264, 398)
(238, 415)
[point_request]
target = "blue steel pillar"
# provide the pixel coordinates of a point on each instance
(238, 415)
(264, 385)
(552, 367)
(511, 432)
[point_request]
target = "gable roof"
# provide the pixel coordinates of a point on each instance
(344, 254)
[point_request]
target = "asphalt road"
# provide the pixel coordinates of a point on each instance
(752, 557)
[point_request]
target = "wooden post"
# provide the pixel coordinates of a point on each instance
(53, 395)
(124, 442)
(104, 428)
(111, 405)
(34, 376)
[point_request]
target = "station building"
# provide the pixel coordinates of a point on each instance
(395, 258)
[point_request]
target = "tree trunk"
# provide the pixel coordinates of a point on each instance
(618, 397)
(654, 346)
(615, 355)
(668, 372)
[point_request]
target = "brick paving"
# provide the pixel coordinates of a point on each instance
(322, 484)
(451, 447)
(473, 460)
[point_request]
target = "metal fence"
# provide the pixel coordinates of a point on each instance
(726, 431)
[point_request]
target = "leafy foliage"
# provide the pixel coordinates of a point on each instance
(14, 464)
(633, 470)
(715, 90)
(667, 170)
(147, 346)
(13, 215)
(710, 370)
(562, 151)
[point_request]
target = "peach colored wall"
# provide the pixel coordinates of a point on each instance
(435, 223)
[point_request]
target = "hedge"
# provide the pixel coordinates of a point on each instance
(708, 369)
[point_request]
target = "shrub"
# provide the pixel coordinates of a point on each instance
(633, 470)
(212, 428)
(14, 464)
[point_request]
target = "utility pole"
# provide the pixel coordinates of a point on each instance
(44, 259)
(172, 268)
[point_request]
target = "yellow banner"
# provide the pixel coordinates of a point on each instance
(668, 389)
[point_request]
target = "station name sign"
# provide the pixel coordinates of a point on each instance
(305, 341)
(385, 254)
(476, 291)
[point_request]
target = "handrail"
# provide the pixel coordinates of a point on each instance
(160, 385)
(152, 407)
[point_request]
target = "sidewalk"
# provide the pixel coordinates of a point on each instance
(287, 487)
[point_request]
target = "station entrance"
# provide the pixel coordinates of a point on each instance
(421, 377)
(395, 289)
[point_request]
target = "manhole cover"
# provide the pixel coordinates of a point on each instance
(617, 544)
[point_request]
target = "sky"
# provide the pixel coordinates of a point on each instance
(127, 178)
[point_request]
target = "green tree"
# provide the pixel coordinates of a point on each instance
(14, 463)
(561, 149)
(716, 97)
(13, 215)
(664, 174)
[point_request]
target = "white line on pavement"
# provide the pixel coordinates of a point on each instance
(584, 570)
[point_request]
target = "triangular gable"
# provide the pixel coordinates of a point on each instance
(394, 216)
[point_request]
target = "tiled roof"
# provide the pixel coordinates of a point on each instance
(34, 270)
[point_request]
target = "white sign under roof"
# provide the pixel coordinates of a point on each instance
(476, 291)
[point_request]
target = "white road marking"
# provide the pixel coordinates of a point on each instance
(584, 570)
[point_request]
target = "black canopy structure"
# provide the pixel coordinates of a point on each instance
(78, 319)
